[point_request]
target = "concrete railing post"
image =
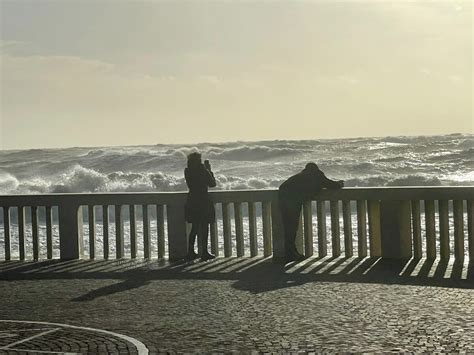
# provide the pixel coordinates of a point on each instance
(278, 233)
(395, 223)
(70, 231)
(177, 238)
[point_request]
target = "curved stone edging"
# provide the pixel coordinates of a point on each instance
(141, 348)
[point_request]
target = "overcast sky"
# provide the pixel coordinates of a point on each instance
(97, 72)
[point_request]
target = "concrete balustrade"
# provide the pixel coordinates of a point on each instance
(388, 223)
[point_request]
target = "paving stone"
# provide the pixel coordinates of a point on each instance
(263, 309)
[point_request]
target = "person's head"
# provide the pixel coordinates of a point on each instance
(311, 167)
(194, 160)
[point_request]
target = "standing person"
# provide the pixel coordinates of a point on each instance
(199, 209)
(291, 196)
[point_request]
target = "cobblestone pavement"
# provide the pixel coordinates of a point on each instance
(24, 337)
(252, 304)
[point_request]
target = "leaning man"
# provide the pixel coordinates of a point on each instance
(292, 194)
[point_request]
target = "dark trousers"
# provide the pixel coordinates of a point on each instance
(290, 214)
(200, 229)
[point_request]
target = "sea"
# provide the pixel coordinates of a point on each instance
(443, 160)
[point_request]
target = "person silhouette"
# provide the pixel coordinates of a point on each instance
(292, 193)
(199, 209)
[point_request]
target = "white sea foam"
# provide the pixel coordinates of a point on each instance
(8, 183)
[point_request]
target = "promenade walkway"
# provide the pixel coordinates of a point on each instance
(237, 304)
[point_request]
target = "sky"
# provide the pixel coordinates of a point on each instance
(114, 72)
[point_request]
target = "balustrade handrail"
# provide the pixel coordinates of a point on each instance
(257, 195)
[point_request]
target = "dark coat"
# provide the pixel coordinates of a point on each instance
(305, 185)
(199, 207)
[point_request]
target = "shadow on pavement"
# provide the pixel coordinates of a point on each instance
(255, 275)
(125, 285)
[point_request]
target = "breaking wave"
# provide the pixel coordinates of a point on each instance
(8, 183)
(386, 161)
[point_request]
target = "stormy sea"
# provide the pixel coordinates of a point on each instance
(445, 160)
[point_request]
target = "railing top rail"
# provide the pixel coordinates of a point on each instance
(352, 193)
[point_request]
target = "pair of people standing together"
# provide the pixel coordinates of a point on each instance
(199, 208)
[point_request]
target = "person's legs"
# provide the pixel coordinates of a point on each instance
(290, 213)
(204, 236)
(191, 240)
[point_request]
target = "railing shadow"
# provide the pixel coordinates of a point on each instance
(255, 275)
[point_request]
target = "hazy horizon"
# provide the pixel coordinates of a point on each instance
(454, 134)
(101, 73)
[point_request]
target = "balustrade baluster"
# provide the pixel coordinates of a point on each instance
(299, 240)
(430, 230)
(252, 230)
(6, 228)
(308, 228)
(322, 239)
(21, 232)
(335, 228)
(49, 232)
(119, 247)
(416, 223)
(444, 229)
(347, 218)
(177, 234)
(362, 228)
(375, 235)
(239, 228)
(146, 233)
(160, 226)
(227, 230)
(214, 237)
(133, 231)
(34, 232)
(105, 223)
(92, 234)
(458, 230)
(267, 228)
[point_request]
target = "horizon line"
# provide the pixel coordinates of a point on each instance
(237, 141)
